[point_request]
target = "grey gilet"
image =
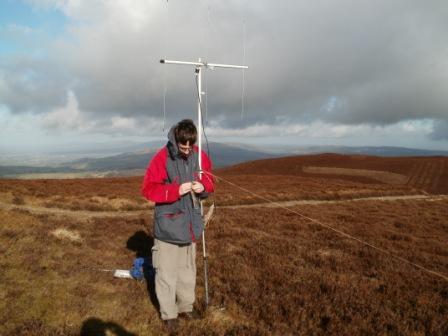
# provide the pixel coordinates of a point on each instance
(176, 222)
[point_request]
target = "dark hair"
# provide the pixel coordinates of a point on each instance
(185, 131)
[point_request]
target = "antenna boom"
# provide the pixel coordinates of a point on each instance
(205, 64)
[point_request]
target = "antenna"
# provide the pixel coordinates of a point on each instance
(198, 71)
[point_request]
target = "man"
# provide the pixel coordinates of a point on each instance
(173, 182)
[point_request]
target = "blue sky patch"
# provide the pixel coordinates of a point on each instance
(21, 22)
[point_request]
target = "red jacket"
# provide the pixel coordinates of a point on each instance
(156, 189)
(176, 218)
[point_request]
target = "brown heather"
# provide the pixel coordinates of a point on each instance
(271, 272)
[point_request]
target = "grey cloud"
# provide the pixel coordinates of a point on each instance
(30, 85)
(349, 61)
(440, 131)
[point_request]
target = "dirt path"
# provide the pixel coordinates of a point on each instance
(80, 214)
(316, 202)
(83, 214)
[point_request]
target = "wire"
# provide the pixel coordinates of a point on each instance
(207, 38)
(165, 46)
(202, 117)
(243, 75)
(206, 101)
(444, 277)
(207, 33)
(95, 269)
(164, 98)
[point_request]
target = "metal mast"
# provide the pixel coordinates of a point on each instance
(198, 71)
(199, 65)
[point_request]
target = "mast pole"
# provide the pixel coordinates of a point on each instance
(198, 71)
(199, 81)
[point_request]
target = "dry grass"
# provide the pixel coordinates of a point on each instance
(120, 194)
(271, 272)
(95, 203)
(50, 285)
(427, 173)
(382, 176)
(293, 276)
(67, 234)
(290, 188)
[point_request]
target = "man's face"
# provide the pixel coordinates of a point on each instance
(185, 149)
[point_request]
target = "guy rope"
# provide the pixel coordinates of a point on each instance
(342, 233)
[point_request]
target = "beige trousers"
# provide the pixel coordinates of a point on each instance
(175, 277)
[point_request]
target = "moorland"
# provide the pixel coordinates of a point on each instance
(272, 270)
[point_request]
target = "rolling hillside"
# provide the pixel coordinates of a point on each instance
(275, 266)
(426, 173)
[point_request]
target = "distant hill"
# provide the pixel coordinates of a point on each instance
(222, 155)
(427, 173)
(134, 162)
(136, 159)
(6, 171)
(366, 150)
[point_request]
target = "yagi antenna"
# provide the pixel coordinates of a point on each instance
(198, 71)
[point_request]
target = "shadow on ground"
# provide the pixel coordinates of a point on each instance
(141, 243)
(96, 327)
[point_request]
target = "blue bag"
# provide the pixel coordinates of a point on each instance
(137, 270)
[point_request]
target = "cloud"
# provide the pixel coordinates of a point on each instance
(17, 30)
(32, 85)
(440, 131)
(345, 63)
(68, 117)
(319, 129)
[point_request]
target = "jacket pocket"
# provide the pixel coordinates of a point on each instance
(173, 215)
(172, 227)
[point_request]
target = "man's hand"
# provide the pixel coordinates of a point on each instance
(185, 188)
(197, 187)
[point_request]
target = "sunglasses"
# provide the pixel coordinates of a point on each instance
(185, 148)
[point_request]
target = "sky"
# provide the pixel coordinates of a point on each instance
(322, 72)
